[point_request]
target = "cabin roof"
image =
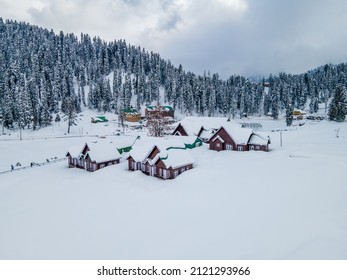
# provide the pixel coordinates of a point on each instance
(237, 133)
(177, 158)
(259, 139)
(140, 150)
(100, 150)
(75, 151)
(103, 151)
(163, 107)
(192, 125)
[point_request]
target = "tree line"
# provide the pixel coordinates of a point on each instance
(43, 74)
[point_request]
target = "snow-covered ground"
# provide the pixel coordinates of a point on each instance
(289, 203)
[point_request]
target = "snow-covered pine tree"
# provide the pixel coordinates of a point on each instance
(289, 114)
(127, 92)
(338, 106)
(69, 107)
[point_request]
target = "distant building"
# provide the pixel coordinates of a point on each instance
(298, 114)
(131, 115)
(165, 111)
(99, 119)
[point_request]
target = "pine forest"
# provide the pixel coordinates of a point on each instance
(43, 74)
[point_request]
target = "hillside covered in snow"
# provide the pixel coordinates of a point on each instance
(43, 74)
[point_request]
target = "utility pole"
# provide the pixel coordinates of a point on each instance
(281, 138)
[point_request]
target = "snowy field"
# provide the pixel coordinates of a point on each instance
(289, 203)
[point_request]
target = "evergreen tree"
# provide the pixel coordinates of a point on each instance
(57, 118)
(289, 115)
(69, 105)
(338, 105)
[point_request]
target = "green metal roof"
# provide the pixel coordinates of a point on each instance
(124, 149)
(165, 107)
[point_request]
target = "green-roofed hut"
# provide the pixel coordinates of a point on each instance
(131, 115)
(99, 119)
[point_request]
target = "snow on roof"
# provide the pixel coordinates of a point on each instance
(240, 135)
(177, 158)
(183, 139)
(125, 141)
(102, 151)
(140, 150)
(163, 107)
(218, 137)
(259, 139)
(177, 142)
(206, 134)
(192, 125)
(75, 151)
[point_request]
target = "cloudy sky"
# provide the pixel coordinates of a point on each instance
(248, 37)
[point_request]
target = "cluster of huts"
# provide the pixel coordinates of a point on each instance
(168, 158)
(223, 134)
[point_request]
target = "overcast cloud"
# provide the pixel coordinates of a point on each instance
(248, 37)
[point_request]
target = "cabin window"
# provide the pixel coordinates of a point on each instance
(251, 148)
(218, 145)
(183, 169)
(229, 146)
(257, 147)
(176, 173)
(133, 165)
(240, 148)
